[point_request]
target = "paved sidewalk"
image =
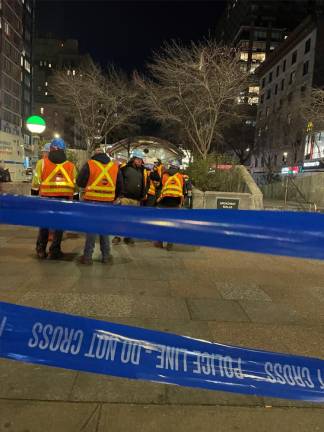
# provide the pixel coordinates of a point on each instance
(252, 300)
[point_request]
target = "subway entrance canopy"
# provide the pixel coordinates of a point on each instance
(153, 147)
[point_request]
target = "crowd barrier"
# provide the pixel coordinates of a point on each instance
(77, 343)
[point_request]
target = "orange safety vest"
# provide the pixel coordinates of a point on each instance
(159, 169)
(101, 184)
(57, 179)
(151, 190)
(172, 186)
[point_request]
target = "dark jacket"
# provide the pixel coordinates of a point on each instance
(84, 173)
(133, 182)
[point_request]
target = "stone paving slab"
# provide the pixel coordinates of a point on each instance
(26, 381)
(190, 396)
(28, 416)
(230, 291)
(216, 310)
(250, 335)
(100, 388)
(209, 419)
(80, 304)
(266, 312)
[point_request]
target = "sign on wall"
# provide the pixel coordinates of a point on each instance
(227, 203)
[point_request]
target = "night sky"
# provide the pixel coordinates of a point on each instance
(126, 32)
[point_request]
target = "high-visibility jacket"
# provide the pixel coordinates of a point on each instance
(172, 186)
(57, 179)
(159, 169)
(151, 189)
(101, 184)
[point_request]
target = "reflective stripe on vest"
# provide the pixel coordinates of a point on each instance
(172, 186)
(102, 181)
(57, 179)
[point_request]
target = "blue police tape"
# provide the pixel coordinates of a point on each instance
(279, 233)
(71, 342)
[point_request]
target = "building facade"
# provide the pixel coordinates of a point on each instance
(256, 28)
(51, 55)
(286, 81)
(16, 84)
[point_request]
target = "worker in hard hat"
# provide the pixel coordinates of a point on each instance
(172, 191)
(38, 169)
(102, 181)
(54, 177)
(154, 179)
(135, 183)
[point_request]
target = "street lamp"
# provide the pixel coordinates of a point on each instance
(56, 135)
(35, 124)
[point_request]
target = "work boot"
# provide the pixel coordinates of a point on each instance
(116, 240)
(41, 254)
(84, 260)
(129, 241)
(158, 244)
(56, 255)
(169, 246)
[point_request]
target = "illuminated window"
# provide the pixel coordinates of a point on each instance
(46, 83)
(258, 56)
(253, 100)
(42, 110)
(49, 65)
(21, 61)
(73, 72)
(253, 67)
(244, 56)
(27, 65)
(46, 93)
(68, 72)
(254, 89)
(6, 28)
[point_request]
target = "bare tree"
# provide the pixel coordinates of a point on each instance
(100, 102)
(313, 108)
(193, 88)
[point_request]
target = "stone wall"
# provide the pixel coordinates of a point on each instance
(19, 188)
(250, 199)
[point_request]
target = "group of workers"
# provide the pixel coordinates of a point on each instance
(140, 181)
